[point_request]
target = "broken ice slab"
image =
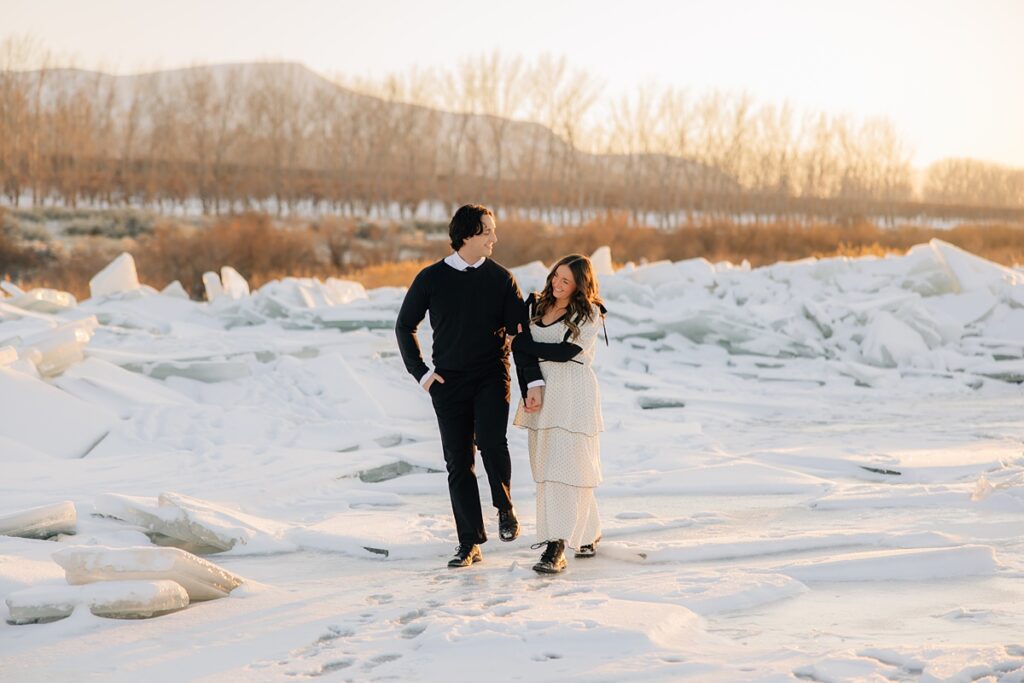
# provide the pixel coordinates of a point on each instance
(623, 290)
(166, 525)
(993, 349)
(889, 341)
(235, 286)
(240, 313)
(8, 354)
(601, 261)
(231, 528)
(212, 285)
(62, 347)
(1005, 370)
(61, 351)
(818, 316)
(983, 488)
(118, 276)
(201, 370)
(115, 599)
(964, 308)
(48, 419)
(10, 288)
(195, 525)
(202, 579)
(40, 522)
(27, 362)
(864, 375)
(86, 323)
(102, 383)
(282, 298)
(696, 271)
(44, 300)
(354, 317)
(175, 290)
(1006, 323)
(973, 272)
(392, 470)
(658, 402)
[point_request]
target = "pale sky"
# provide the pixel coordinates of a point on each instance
(949, 73)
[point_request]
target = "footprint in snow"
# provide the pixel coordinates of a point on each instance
(411, 616)
(381, 659)
(545, 656)
(413, 630)
(328, 667)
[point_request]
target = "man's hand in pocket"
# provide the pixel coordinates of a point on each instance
(433, 378)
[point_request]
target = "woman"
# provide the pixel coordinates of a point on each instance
(563, 441)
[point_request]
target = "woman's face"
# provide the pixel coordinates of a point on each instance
(563, 284)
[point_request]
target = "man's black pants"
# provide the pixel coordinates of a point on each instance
(472, 404)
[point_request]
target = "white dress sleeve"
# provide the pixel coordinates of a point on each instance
(588, 331)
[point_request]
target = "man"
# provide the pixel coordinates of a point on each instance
(475, 306)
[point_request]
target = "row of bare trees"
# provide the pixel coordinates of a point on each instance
(534, 139)
(968, 181)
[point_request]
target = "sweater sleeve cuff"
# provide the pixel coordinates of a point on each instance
(535, 383)
(424, 378)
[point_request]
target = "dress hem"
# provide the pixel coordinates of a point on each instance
(568, 431)
(565, 483)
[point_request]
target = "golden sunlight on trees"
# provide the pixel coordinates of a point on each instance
(537, 140)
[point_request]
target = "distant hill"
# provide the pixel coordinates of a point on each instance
(308, 90)
(280, 137)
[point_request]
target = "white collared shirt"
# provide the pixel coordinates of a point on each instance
(459, 263)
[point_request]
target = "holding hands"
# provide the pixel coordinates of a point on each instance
(534, 399)
(534, 395)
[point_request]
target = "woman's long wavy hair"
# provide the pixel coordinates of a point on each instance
(583, 301)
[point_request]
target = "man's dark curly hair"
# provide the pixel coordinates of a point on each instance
(467, 222)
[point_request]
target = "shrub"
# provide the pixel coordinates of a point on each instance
(379, 255)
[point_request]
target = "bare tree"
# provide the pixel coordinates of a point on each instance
(976, 183)
(536, 138)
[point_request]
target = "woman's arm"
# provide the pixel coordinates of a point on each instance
(560, 352)
(563, 351)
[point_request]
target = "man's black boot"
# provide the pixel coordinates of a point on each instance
(465, 555)
(508, 525)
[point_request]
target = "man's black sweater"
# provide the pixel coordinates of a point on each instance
(470, 311)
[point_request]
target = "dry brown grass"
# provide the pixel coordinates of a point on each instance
(250, 244)
(759, 244)
(396, 274)
(858, 250)
(262, 251)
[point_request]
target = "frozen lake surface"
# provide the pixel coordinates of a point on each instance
(813, 471)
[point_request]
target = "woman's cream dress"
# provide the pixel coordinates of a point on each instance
(565, 453)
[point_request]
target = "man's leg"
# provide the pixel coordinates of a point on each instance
(453, 404)
(490, 408)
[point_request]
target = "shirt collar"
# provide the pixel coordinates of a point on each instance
(458, 263)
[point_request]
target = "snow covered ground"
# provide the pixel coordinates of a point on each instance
(813, 471)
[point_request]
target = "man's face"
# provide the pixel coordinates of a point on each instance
(478, 246)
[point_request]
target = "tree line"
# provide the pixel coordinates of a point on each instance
(535, 139)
